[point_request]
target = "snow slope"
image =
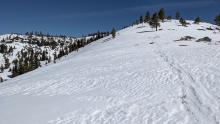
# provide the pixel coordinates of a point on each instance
(140, 77)
(20, 42)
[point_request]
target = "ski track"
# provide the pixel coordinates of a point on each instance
(191, 92)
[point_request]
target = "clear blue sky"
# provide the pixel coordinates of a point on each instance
(78, 17)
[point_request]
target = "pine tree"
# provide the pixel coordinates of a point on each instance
(20, 67)
(162, 14)
(55, 57)
(49, 59)
(43, 58)
(2, 68)
(177, 15)
(7, 63)
(147, 17)
(3, 40)
(141, 19)
(155, 21)
(98, 35)
(169, 17)
(217, 20)
(1, 79)
(10, 49)
(15, 68)
(31, 65)
(113, 33)
(137, 22)
(197, 20)
(26, 65)
(182, 21)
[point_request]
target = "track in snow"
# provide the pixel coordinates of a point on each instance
(191, 92)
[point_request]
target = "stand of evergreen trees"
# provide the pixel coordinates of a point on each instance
(153, 20)
(157, 17)
(30, 59)
(4, 49)
(32, 56)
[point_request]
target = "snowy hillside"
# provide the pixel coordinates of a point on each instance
(171, 76)
(20, 54)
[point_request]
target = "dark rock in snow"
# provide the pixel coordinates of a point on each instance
(205, 39)
(210, 28)
(201, 29)
(186, 38)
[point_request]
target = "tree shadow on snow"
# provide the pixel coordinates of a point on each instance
(141, 27)
(106, 40)
(145, 31)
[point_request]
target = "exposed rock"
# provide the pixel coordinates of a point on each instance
(205, 39)
(186, 38)
(210, 28)
(201, 29)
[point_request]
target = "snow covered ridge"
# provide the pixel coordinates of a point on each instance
(142, 76)
(20, 54)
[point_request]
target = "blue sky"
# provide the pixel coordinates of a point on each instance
(78, 17)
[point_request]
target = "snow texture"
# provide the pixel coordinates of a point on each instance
(140, 77)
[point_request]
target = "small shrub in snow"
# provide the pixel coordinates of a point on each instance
(113, 33)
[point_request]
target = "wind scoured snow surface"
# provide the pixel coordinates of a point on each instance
(140, 77)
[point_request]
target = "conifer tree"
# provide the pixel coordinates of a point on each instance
(147, 17)
(25, 65)
(162, 14)
(113, 32)
(15, 68)
(55, 57)
(197, 20)
(137, 22)
(217, 20)
(155, 21)
(20, 67)
(31, 65)
(43, 57)
(2, 68)
(1, 79)
(169, 17)
(3, 40)
(7, 63)
(177, 15)
(182, 21)
(141, 19)
(49, 59)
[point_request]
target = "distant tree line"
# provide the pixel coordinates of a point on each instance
(153, 20)
(29, 59)
(32, 56)
(157, 17)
